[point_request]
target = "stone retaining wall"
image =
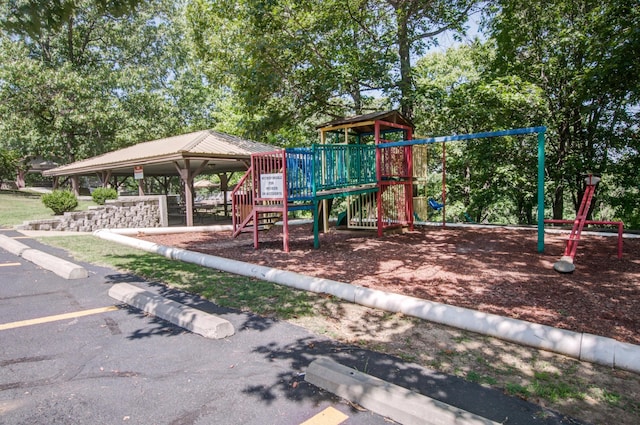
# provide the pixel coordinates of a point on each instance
(121, 213)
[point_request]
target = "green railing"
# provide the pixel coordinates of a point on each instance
(340, 166)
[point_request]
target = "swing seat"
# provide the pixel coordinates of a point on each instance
(436, 206)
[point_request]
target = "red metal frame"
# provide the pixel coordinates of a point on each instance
(581, 219)
(394, 167)
(248, 194)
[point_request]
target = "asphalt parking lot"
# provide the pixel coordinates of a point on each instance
(70, 354)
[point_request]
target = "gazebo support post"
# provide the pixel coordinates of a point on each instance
(104, 177)
(224, 187)
(75, 185)
(187, 178)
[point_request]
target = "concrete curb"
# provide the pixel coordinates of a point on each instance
(194, 320)
(386, 399)
(587, 347)
(62, 268)
(12, 245)
(170, 230)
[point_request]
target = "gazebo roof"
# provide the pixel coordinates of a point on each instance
(223, 152)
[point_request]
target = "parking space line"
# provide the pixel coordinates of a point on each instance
(9, 264)
(57, 317)
(329, 416)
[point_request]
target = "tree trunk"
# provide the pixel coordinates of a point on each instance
(406, 81)
(20, 181)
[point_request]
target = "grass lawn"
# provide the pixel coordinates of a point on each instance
(16, 207)
(227, 290)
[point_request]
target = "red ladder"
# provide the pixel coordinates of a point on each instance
(578, 224)
(565, 264)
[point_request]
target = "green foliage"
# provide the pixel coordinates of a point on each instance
(491, 180)
(101, 194)
(34, 16)
(517, 390)
(97, 80)
(8, 164)
(580, 53)
(290, 62)
(554, 387)
(60, 201)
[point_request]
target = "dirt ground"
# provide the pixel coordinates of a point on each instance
(494, 270)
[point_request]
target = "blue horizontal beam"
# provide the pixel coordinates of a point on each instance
(454, 138)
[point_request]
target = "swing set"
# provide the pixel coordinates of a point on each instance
(441, 206)
(422, 170)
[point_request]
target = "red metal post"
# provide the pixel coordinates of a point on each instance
(378, 176)
(285, 205)
(620, 227)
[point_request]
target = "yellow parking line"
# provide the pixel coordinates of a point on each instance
(328, 416)
(48, 319)
(9, 264)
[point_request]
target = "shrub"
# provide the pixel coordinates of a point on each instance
(101, 194)
(60, 201)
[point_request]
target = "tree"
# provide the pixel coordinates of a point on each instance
(292, 61)
(8, 164)
(581, 53)
(286, 61)
(456, 93)
(415, 23)
(96, 81)
(33, 16)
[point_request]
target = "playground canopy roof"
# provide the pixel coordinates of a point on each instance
(163, 157)
(364, 124)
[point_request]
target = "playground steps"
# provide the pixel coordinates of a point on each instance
(266, 219)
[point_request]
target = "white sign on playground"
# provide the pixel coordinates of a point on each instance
(271, 186)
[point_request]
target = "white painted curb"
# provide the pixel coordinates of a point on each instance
(587, 347)
(194, 320)
(62, 268)
(386, 399)
(170, 230)
(12, 245)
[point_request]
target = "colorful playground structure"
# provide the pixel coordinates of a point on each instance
(371, 163)
(374, 163)
(377, 182)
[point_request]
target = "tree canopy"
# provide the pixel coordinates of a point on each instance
(80, 77)
(581, 53)
(97, 82)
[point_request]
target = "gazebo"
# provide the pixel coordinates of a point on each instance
(186, 155)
